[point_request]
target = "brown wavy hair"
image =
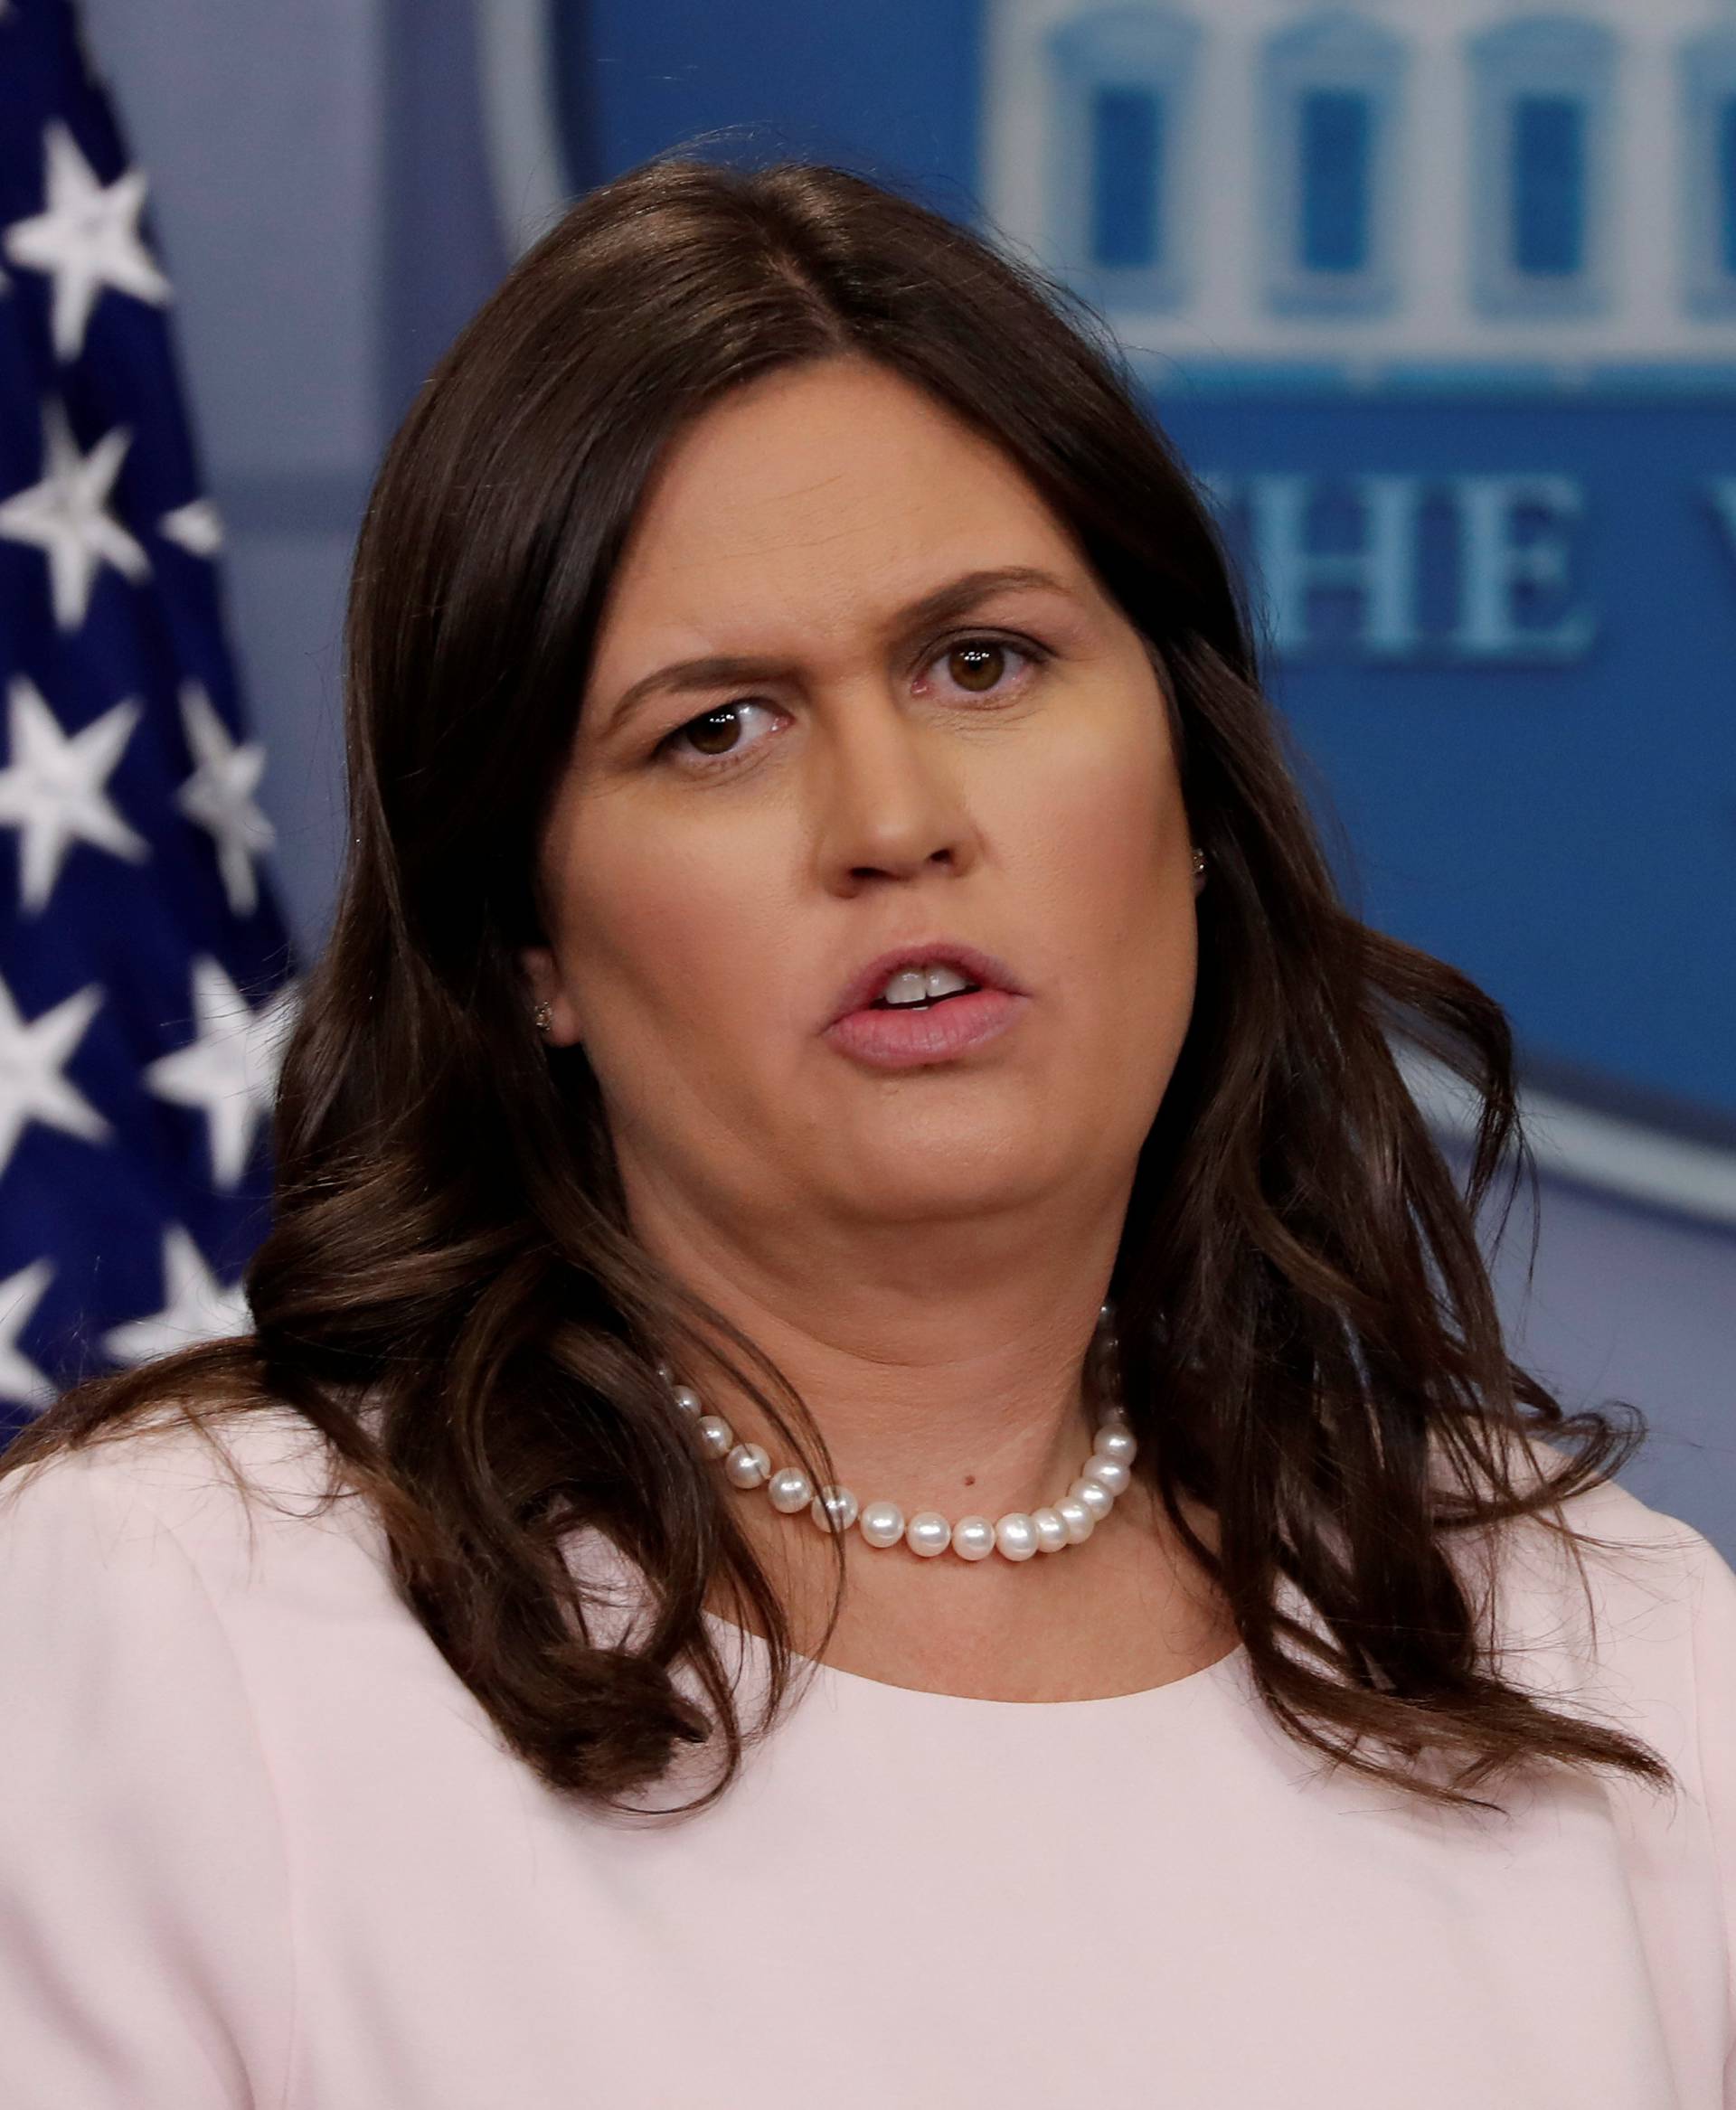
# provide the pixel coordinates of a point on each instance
(451, 1290)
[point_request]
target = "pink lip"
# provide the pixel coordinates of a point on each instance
(991, 975)
(903, 1040)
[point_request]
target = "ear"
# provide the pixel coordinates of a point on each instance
(543, 985)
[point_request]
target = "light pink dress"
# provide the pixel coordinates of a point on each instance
(259, 1847)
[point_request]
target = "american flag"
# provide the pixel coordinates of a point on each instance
(143, 968)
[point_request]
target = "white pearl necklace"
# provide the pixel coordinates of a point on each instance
(1070, 1522)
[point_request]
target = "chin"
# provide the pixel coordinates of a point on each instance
(961, 1182)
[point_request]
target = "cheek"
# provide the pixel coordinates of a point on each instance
(1107, 839)
(1108, 875)
(659, 949)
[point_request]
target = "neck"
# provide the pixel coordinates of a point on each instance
(944, 1364)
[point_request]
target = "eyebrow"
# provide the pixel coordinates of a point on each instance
(943, 603)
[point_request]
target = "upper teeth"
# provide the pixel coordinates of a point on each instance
(913, 985)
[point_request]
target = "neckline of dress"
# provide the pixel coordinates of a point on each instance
(1150, 1697)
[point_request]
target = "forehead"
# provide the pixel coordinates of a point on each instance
(831, 492)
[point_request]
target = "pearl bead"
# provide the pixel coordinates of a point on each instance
(973, 1538)
(1108, 1473)
(748, 1464)
(927, 1533)
(1116, 1442)
(716, 1437)
(1096, 1497)
(834, 1509)
(1051, 1533)
(1078, 1522)
(789, 1489)
(1015, 1536)
(881, 1524)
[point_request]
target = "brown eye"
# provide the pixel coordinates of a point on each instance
(989, 666)
(720, 725)
(978, 666)
(715, 740)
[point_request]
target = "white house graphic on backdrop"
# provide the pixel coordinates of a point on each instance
(1476, 187)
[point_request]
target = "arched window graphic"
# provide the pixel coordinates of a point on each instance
(1329, 98)
(1119, 118)
(1541, 112)
(1709, 171)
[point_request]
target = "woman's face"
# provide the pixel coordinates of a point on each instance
(722, 858)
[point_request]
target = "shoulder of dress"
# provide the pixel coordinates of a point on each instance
(222, 1483)
(1608, 1609)
(247, 1492)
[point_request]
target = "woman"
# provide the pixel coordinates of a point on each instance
(877, 1464)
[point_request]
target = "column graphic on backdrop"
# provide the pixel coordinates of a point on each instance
(1465, 192)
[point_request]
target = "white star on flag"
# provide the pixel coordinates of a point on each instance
(66, 515)
(87, 239)
(229, 1070)
(219, 796)
(31, 1058)
(20, 1380)
(52, 792)
(197, 526)
(198, 1308)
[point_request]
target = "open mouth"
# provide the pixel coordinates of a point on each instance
(927, 1003)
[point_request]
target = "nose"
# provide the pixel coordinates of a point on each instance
(894, 799)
